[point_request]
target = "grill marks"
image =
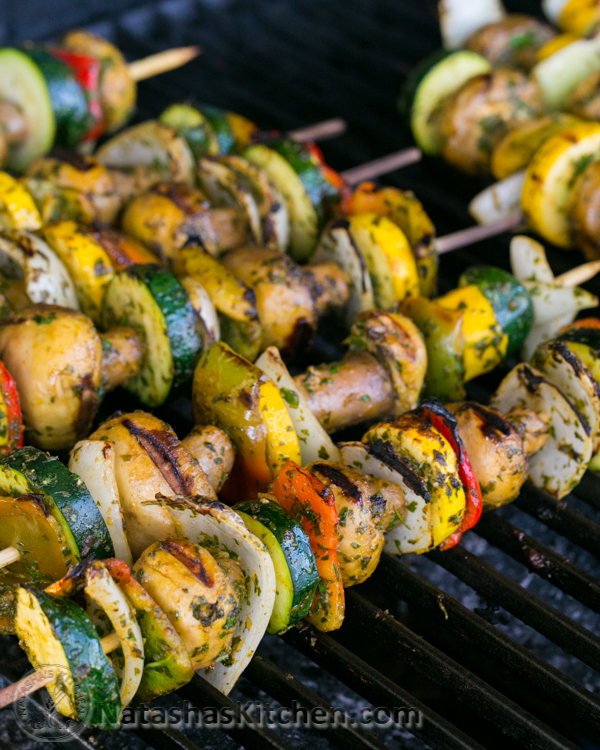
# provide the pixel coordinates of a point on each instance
(194, 563)
(336, 476)
(162, 446)
(385, 453)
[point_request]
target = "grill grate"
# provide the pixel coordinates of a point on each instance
(483, 678)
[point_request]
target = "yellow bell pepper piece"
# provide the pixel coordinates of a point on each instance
(17, 207)
(547, 191)
(580, 16)
(560, 41)
(485, 343)
(282, 440)
(392, 240)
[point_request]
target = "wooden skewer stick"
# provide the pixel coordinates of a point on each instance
(470, 236)
(162, 62)
(383, 165)
(34, 682)
(320, 131)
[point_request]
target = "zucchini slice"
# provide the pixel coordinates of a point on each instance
(23, 84)
(565, 370)
(410, 531)
(314, 441)
(195, 127)
(152, 145)
(509, 299)
(431, 458)
(94, 462)
(219, 528)
(337, 245)
(106, 601)
(31, 471)
(429, 84)
(292, 556)
(550, 176)
(225, 188)
(221, 124)
(559, 465)
(55, 631)
(153, 302)
(297, 176)
(167, 665)
(69, 105)
(47, 281)
(33, 525)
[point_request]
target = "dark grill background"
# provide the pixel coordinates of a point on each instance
(515, 603)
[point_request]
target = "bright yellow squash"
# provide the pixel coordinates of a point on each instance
(549, 179)
(282, 440)
(485, 343)
(17, 207)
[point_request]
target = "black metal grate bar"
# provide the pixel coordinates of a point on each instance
(245, 729)
(589, 489)
(559, 516)
(376, 688)
(365, 620)
(438, 609)
(502, 590)
(286, 689)
(541, 559)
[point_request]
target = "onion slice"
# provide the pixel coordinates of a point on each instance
(94, 463)
(414, 534)
(104, 592)
(499, 201)
(459, 19)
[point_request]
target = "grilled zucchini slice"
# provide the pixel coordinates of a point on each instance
(153, 302)
(292, 556)
(195, 127)
(429, 84)
(23, 84)
(33, 525)
(31, 471)
(57, 632)
(297, 176)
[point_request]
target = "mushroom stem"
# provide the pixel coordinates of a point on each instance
(331, 286)
(122, 353)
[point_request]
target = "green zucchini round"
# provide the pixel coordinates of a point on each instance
(23, 84)
(194, 127)
(295, 173)
(293, 558)
(32, 471)
(151, 300)
(69, 103)
(221, 127)
(57, 632)
(510, 301)
(429, 84)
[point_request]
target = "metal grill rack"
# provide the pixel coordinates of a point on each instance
(494, 641)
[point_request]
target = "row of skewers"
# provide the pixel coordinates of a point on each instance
(220, 257)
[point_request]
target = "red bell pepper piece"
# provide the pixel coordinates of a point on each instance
(312, 504)
(443, 421)
(11, 421)
(87, 71)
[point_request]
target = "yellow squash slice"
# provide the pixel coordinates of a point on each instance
(17, 207)
(549, 179)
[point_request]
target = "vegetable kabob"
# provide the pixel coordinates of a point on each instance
(69, 94)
